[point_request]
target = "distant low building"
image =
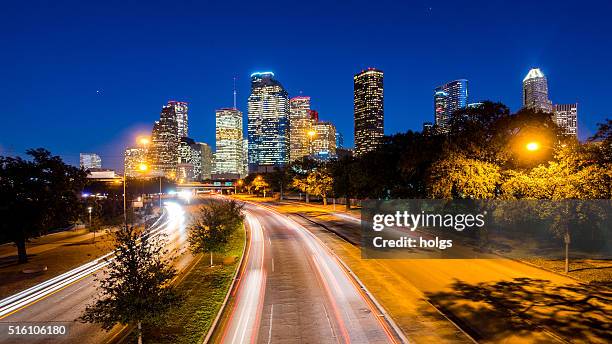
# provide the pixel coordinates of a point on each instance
(103, 175)
(90, 160)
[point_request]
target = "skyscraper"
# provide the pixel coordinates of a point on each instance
(90, 160)
(229, 142)
(300, 123)
(189, 167)
(368, 110)
(535, 91)
(268, 123)
(449, 98)
(339, 140)
(324, 141)
(206, 162)
(180, 112)
(566, 117)
(165, 138)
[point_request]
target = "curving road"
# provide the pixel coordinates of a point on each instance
(293, 290)
(61, 300)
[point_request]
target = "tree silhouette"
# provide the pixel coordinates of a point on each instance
(37, 195)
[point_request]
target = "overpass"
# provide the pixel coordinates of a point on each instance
(218, 186)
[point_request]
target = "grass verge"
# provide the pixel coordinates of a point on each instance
(204, 288)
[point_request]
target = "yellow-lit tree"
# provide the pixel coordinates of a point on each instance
(320, 183)
(459, 177)
(260, 185)
(301, 183)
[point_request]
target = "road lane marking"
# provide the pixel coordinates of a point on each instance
(270, 329)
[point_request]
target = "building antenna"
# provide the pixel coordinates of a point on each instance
(234, 92)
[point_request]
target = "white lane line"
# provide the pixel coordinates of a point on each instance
(330, 323)
(270, 329)
(272, 264)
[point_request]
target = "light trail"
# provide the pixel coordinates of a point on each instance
(244, 319)
(173, 217)
(343, 301)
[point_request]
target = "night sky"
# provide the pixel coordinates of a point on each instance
(92, 75)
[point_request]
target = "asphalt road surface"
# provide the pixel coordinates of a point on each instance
(294, 290)
(61, 300)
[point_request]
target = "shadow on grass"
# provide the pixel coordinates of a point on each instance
(523, 307)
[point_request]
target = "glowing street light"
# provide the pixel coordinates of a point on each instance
(144, 141)
(532, 146)
(143, 167)
(89, 209)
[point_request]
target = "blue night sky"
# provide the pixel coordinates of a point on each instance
(91, 75)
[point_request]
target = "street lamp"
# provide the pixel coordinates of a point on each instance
(90, 226)
(533, 146)
(238, 182)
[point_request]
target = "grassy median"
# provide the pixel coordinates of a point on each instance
(204, 288)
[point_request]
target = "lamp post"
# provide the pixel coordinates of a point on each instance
(90, 226)
(534, 146)
(238, 182)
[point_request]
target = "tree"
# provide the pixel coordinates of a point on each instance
(460, 177)
(136, 285)
(603, 137)
(37, 195)
(320, 183)
(213, 226)
(301, 183)
(260, 185)
(280, 178)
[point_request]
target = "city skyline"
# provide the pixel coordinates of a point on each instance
(124, 95)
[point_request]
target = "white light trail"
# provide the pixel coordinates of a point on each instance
(173, 217)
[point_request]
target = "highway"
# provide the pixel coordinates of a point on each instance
(294, 290)
(61, 300)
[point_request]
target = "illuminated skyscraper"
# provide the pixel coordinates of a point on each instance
(566, 117)
(189, 167)
(324, 141)
(300, 124)
(449, 98)
(206, 162)
(132, 158)
(228, 157)
(339, 140)
(90, 160)
(180, 113)
(268, 123)
(165, 138)
(535, 91)
(368, 110)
